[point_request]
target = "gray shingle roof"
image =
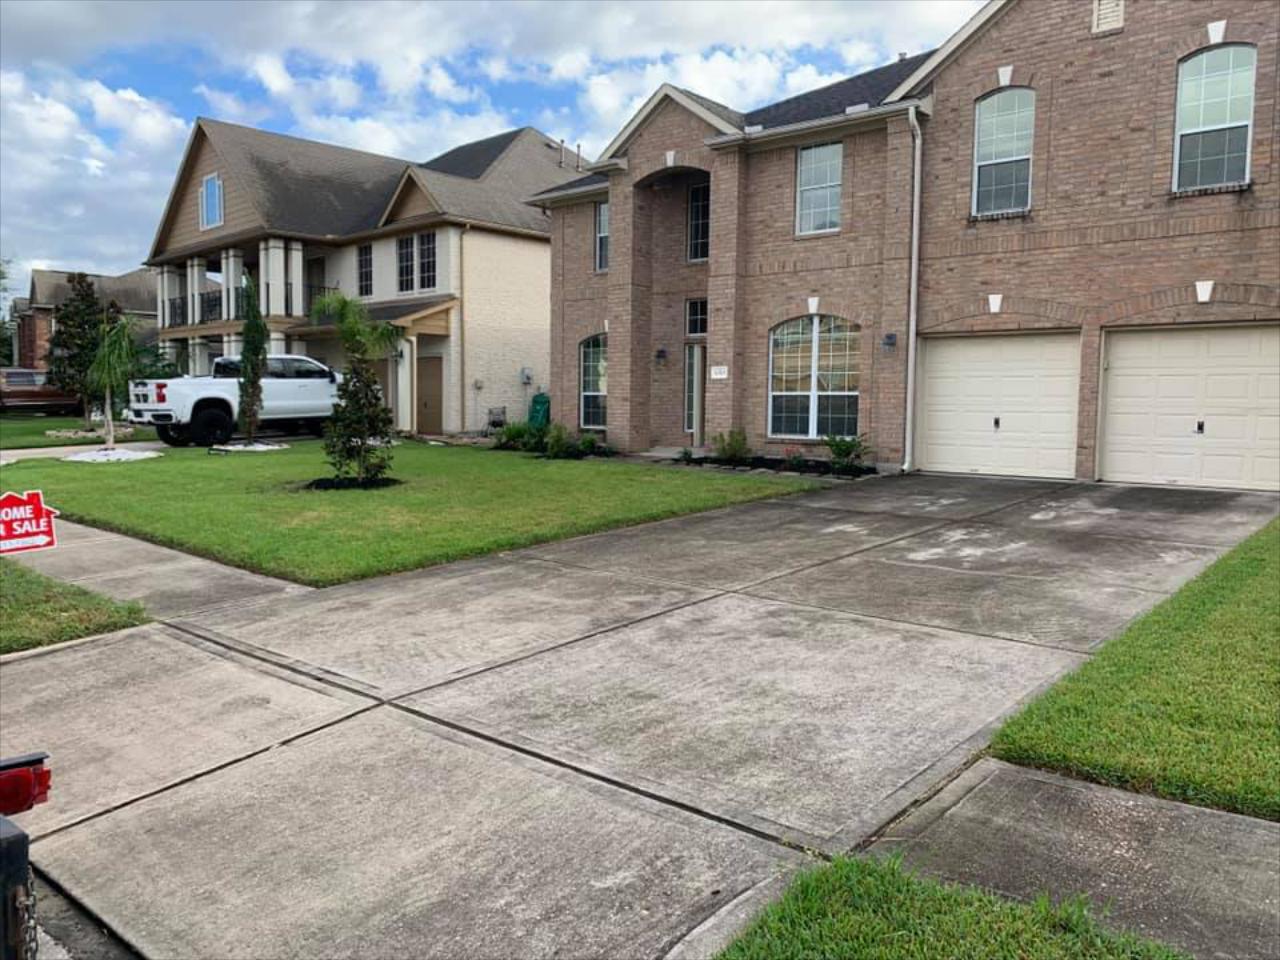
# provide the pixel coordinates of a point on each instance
(727, 114)
(472, 160)
(870, 88)
(590, 180)
(134, 291)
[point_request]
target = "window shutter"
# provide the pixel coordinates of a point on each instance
(1107, 15)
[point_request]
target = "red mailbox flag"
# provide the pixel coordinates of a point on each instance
(26, 523)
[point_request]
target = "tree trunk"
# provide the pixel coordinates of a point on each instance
(87, 404)
(111, 426)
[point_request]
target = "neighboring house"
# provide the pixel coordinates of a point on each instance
(446, 250)
(1094, 278)
(32, 316)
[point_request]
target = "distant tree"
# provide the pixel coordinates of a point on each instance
(151, 363)
(253, 362)
(358, 436)
(8, 356)
(112, 367)
(77, 331)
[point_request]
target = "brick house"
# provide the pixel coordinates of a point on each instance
(444, 249)
(31, 317)
(1050, 247)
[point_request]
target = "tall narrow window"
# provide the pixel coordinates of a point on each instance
(1003, 126)
(1215, 117)
(602, 236)
(813, 378)
(404, 264)
(211, 202)
(695, 317)
(364, 270)
(427, 260)
(818, 188)
(693, 360)
(699, 221)
(595, 382)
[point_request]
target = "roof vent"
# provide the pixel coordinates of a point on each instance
(857, 108)
(1107, 15)
(901, 56)
(753, 128)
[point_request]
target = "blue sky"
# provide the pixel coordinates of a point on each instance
(97, 98)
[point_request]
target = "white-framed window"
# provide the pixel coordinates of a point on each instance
(695, 317)
(404, 264)
(818, 172)
(1212, 143)
(602, 235)
(699, 232)
(427, 260)
(364, 270)
(211, 202)
(813, 378)
(693, 358)
(1002, 133)
(594, 381)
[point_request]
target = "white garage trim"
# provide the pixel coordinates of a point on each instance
(1191, 406)
(1002, 404)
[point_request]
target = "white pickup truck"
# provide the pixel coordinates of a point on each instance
(298, 393)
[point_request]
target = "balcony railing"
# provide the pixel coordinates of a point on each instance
(211, 306)
(315, 292)
(177, 311)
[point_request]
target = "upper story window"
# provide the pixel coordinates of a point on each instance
(818, 188)
(594, 393)
(1003, 126)
(699, 221)
(404, 264)
(1215, 117)
(602, 236)
(427, 260)
(695, 317)
(813, 378)
(211, 202)
(364, 270)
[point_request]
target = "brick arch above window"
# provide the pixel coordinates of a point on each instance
(1243, 301)
(1016, 312)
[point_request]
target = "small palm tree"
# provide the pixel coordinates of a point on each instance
(112, 367)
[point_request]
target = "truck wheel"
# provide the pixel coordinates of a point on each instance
(173, 436)
(211, 426)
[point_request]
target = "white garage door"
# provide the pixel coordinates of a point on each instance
(999, 404)
(1199, 407)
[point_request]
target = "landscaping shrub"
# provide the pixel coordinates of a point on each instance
(535, 439)
(512, 436)
(685, 455)
(78, 324)
(846, 452)
(732, 448)
(588, 445)
(793, 458)
(561, 444)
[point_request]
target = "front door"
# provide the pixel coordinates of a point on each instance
(430, 395)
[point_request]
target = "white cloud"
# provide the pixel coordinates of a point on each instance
(406, 135)
(139, 120)
(807, 77)
(227, 106)
(443, 87)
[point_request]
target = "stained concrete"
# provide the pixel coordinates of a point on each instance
(731, 548)
(801, 723)
(1180, 514)
(1202, 880)
(925, 495)
(402, 633)
(387, 836)
(134, 711)
(168, 582)
(1073, 613)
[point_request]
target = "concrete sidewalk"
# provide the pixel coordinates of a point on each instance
(608, 745)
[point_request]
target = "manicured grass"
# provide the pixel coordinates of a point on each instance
(19, 430)
(1184, 704)
(36, 610)
(878, 911)
(252, 511)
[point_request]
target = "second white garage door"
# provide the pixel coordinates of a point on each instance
(999, 404)
(1198, 406)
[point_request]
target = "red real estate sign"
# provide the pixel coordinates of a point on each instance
(26, 523)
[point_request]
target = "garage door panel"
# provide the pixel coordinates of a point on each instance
(1225, 378)
(1030, 382)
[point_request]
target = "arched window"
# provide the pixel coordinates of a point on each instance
(594, 355)
(1215, 117)
(1002, 129)
(813, 378)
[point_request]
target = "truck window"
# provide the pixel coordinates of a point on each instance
(223, 367)
(276, 368)
(306, 369)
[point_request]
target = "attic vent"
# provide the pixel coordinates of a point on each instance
(1107, 15)
(753, 128)
(857, 108)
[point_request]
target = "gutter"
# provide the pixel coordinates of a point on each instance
(462, 328)
(852, 115)
(913, 291)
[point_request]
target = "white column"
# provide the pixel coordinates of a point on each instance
(295, 271)
(232, 281)
(232, 344)
(406, 361)
(275, 276)
(167, 288)
(198, 351)
(195, 286)
(262, 277)
(277, 344)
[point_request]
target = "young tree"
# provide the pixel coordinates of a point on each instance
(8, 355)
(112, 366)
(77, 332)
(358, 436)
(253, 362)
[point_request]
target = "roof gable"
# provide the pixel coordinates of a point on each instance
(717, 115)
(411, 199)
(474, 160)
(940, 57)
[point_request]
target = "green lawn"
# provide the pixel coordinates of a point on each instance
(36, 610)
(1184, 704)
(872, 910)
(18, 430)
(252, 511)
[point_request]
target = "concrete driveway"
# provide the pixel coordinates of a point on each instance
(614, 745)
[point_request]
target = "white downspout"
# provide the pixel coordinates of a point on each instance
(913, 292)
